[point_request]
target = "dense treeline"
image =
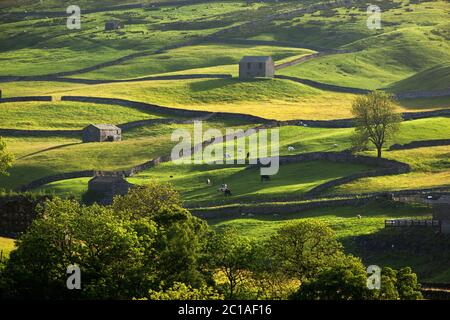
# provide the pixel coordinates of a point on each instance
(147, 246)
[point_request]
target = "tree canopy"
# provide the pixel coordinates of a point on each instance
(121, 254)
(376, 120)
(6, 158)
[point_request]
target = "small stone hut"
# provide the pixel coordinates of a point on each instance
(256, 66)
(101, 133)
(105, 187)
(114, 25)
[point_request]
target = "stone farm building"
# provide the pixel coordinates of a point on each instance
(108, 186)
(101, 133)
(256, 66)
(113, 25)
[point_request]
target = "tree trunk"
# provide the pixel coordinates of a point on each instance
(379, 152)
(231, 290)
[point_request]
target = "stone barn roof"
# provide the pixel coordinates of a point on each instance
(256, 59)
(105, 126)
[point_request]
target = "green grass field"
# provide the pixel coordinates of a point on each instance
(65, 115)
(430, 165)
(430, 169)
(146, 31)
(190, 57)
(352, 232)
(409, 60)
(291, 180)
(264, 98)
(342, 220)
(41, 156)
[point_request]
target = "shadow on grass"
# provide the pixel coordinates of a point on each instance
(424, 103)
(206, 85)
(48, 149)
(423, 248)
(373, 209)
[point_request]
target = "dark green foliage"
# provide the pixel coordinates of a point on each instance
(147, 246)
(181, 291)
(231, 254)
(6, 158)
(303, 249)
(346, 281)
(121, 254)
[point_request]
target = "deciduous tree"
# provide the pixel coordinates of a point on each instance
(6, 158)
(303, 249)
(376, 120)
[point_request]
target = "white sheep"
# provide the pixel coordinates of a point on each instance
(291, 148)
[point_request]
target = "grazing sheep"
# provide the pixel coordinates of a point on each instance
(251, 215)
(359, 216)
(291, 148)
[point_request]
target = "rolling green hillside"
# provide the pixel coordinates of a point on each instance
(190, 57)
(430, 169)
(65, 115)
(382, 60)
(434, 78)
(27, 42)
(37, 157)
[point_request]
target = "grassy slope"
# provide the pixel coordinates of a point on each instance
(70, 115)
(292, 179)
(190, 180)
(384, 60)
(26, 42)
(413, 38)
(265, 98)
(430, 168)
(343, 220)
(429, 266)
(42, 156)
(431, 79)
(190, 57)
(305, 139)
(260, 97)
